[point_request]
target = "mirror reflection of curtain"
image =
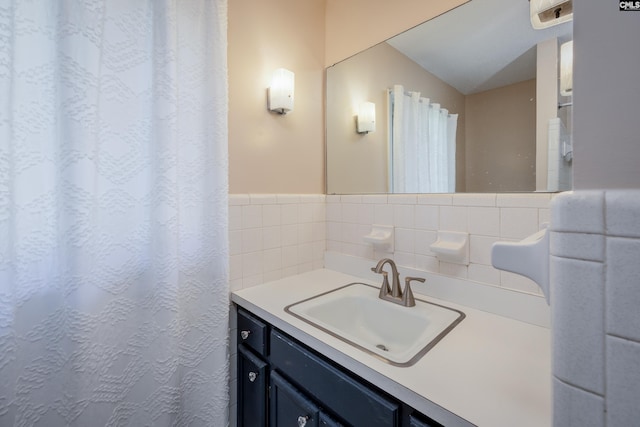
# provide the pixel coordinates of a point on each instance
(423, 144)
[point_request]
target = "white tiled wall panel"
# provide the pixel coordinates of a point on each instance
(595, 279)
(417, 218)
(273, 236)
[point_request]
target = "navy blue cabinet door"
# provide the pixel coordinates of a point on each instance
(252, 390)
(288, 407)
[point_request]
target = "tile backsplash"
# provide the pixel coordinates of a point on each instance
(417, 218)
(274, 236)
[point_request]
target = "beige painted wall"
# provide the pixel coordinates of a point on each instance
(355, 25)
(358, 163)
(269, 153)
(501, 139)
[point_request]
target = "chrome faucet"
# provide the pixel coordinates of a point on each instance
(395, 294)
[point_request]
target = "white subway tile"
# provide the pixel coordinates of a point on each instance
(305, 213)
(271, 276)
(305, 253)
(484, 221)
(272, 260)
(435, 199)
(235, 267)
(289, 214)
(453, 218)
(318, 212)
(518, 223)
(524, 200)
(271, 237)
(474, 199)
(405, 240)
(480, 249)
(402, 199)
(573, 407)
(376, 199)
(579, 211)
(623, 382)
(332, 198)
(351, 198)
(623, 287)
(588, 247)
(427, 217)
(251, 281)
(235, 242)
(383, 214)
(305, 233)
(251, 264)
(366, 214)
(289, 234)
(483, 273)
(271, 215)
(454, 270)
(289, 256)
(251, 216)
(251, 240)
(405, 259)
(350, 212)
(404, 216)
(239, 199)
(334, 212)
(423, 239)
(427, 263)
(517, 282)
(577, 305)
(263, 199)
(235, 217)
(334, 231)
(623, 213)
(288, 198)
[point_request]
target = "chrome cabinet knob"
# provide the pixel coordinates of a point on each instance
(302, 420)
(245, 334)
(252, 376)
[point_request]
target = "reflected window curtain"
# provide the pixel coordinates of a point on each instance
(113, 213)
(423, 144)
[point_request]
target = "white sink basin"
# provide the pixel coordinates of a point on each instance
(399, 335)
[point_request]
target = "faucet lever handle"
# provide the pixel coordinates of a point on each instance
(407, 297)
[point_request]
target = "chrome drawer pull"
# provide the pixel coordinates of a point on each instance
(252, 376)
(302, 420)
(244, 334)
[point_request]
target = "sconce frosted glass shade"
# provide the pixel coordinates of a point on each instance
(566, 69)
(281, 91)
(366, 121)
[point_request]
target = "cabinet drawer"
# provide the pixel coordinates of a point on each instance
(252, 389)
(352, 400)
(252, 332)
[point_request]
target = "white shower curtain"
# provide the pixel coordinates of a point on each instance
(423, 145)
(113, 213)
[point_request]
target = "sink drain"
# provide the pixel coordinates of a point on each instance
(382, 347)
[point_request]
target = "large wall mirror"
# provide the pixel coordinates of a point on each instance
(481, 64)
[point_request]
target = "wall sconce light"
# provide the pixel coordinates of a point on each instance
(566, 69)
(280, 93)
(366, 119)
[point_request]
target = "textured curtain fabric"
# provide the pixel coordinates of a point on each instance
(113, 213)
(423, 145)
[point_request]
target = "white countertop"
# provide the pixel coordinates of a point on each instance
(488, 371)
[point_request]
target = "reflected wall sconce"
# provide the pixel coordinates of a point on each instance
(366, 119)
(566, 69)
(280, 93)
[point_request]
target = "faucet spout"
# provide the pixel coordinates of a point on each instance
(395, 278)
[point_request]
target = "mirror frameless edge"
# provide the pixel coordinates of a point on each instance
(357, 163)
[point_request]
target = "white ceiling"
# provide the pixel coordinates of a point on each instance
(480, 45)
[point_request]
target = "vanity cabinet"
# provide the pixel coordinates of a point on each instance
(282, 382)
